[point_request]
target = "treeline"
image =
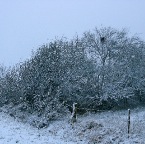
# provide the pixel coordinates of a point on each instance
(103, 69)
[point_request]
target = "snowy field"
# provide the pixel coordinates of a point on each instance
(101, 128)
(12, 131)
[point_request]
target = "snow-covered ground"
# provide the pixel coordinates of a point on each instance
(101, 128)
(12, 131)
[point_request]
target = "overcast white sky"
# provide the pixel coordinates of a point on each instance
(27, 24)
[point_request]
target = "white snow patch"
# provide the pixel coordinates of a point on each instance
(100, 128)
(12, 131)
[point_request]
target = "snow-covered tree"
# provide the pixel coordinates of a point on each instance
(119, 61)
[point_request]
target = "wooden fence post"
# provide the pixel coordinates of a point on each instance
(128, 122)
(74, 113)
